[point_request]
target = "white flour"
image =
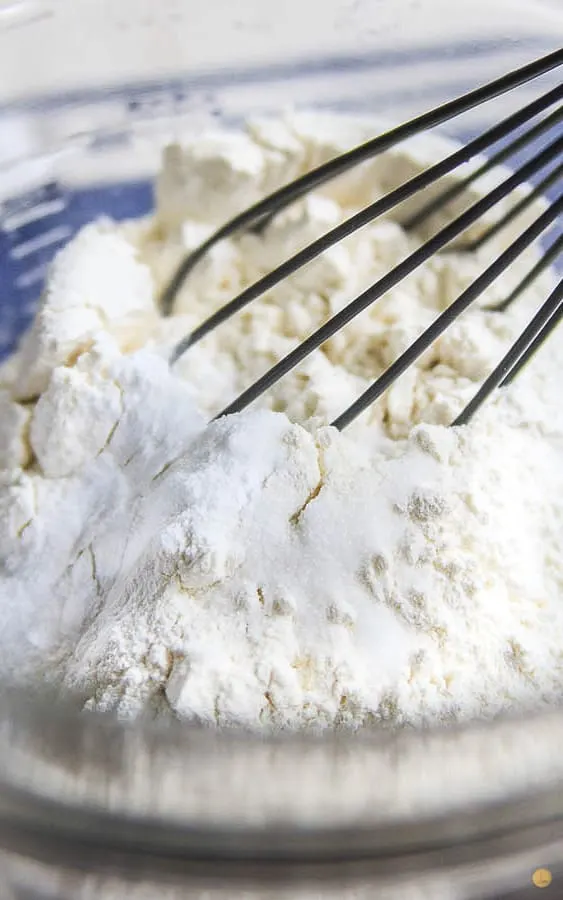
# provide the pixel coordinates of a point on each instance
(258, 572)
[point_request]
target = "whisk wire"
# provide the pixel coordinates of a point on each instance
(288, 194)
(399, 272)
(538, 340)
(539, 329)
(365, 216)
(548, 256)
(496, 159)
(257, 218)
(538, 191)
(445, 319)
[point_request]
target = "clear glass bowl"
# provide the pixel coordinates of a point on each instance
(93, 808)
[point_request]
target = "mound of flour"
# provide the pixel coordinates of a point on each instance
(266, 570)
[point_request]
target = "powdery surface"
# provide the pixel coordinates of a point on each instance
(254, 571)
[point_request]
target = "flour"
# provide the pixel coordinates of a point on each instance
(95, 284)
(264, 570)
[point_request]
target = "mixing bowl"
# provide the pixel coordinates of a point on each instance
(91, 807)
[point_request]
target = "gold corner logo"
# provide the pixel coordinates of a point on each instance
(542, 878)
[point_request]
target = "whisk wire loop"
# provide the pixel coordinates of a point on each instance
(515, 132)
(375, 210)
(397, 274)
(539, 329)
(288, 194)
(450, 314)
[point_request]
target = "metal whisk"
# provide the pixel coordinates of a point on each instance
(550, 157)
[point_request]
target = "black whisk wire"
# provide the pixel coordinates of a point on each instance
(537, 341)
(283, 197)
(367, 215)
(438, 203)
(548, 256)
(257, 218)
(538, 191)
(450, 314)
(539, 329)
(397, 274)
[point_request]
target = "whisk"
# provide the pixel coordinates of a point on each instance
(544, 321)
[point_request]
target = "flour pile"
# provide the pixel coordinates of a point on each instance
(266, 570)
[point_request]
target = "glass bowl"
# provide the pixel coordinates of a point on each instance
(91, 807)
